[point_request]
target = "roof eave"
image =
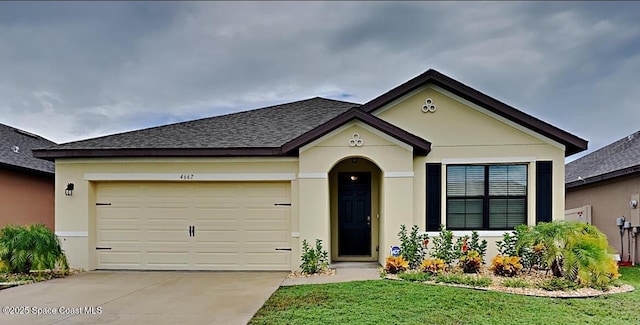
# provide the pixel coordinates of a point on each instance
(27, 170)
(603, 177)
(52, 155)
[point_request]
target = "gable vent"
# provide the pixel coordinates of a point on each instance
(15, 149)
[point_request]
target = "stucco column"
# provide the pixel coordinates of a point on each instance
(314, 210)
(397, 209)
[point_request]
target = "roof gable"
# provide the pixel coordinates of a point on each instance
(16, 150)
(614, 160)
(420, 146)
(573, 143)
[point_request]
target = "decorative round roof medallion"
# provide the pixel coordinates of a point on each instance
(429, 106)
(355, 141)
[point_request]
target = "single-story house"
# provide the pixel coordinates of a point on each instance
(27, 192)
(608, 182)
(242, 191)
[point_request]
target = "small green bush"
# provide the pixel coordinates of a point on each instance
(472, 281)
(415, 276)
(314, 260)
(32, 247)
(559, 284)
(443, 247)
(516, 283)
(412, 246)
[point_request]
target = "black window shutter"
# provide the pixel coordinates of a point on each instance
(544, 193)
(434, 204)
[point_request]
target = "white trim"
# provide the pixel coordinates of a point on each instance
(361, 125)
(481, 233)
(187, 176)
(492, 160)
(498, 117)
(72, 233)
(398, 174)
(313, 175)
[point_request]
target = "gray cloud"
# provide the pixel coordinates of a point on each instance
(76, 70)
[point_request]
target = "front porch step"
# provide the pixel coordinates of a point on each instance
(354, 265)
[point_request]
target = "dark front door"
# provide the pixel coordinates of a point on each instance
(354, 214)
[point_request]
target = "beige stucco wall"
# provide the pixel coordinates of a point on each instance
(463, 133)
(395, 162)
(75, 215)
(610, 200)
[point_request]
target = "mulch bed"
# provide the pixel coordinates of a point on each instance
(8, 280)
(534, 278)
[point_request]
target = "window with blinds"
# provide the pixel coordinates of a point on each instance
(486, 196)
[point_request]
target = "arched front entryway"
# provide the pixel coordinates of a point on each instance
(355, 210)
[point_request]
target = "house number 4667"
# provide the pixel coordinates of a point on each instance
(186, 176)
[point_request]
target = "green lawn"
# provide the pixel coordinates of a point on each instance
(401, 302)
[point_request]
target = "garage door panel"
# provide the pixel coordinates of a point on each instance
(119, 236)
(268, 237)
(122, 259)
(237, 226)
(159, 236)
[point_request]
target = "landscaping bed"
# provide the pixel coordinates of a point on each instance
(528, 284)
(8, 280)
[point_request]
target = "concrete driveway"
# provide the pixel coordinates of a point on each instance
(128, 297)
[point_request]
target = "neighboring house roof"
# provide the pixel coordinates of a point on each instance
(16, 151)
(281, 129)
(617, 159)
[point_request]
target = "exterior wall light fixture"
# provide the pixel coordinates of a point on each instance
(69, 190)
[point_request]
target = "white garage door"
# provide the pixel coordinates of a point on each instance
(193, 226)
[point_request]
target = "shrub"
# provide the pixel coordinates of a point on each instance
(433, 266)
(314, 260)
(32, 247)
(443, 247)
(472, 281)
(576, 251)
(505, 265)
(516, 283)
(413, 245)
(471, 262)
(415, 276)
(478, 246)
(507, 246)
(558, 284)
(394, 265)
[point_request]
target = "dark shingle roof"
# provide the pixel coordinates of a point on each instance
(268, 127)
(617, 159)
(276, 130)
(23, 142)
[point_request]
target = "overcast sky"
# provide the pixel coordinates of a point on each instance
(75, 70)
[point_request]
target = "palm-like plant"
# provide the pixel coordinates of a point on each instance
(576, 251)
(33, 247)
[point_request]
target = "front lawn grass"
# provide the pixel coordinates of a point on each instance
(403, 302)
